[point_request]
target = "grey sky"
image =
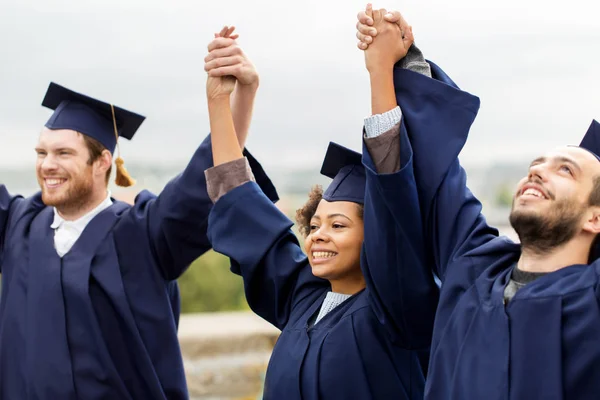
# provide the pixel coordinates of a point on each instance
(533, 64)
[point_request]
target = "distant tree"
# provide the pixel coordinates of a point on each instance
(504, 196)
(209, 286)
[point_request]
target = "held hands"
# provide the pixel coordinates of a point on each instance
(386, 37)
(226, 63)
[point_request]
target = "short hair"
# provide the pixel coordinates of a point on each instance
(95, 149)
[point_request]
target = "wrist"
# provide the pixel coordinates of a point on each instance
(249, 88)
(219, 99)
(380, 71)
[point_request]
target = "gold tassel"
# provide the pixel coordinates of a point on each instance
(123, 178)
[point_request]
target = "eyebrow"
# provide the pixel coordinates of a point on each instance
(57, 149)
(330, 216)
(559, 159)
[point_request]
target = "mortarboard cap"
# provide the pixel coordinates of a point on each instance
(94, 118)
(591, 140)
(345, 167)
(591, 143)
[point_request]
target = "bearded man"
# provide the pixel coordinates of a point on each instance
(514, 320)
(90, 305)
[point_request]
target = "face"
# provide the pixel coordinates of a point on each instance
(551, 205)
(334, 242)
(63, 171)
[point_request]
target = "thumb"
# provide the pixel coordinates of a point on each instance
(393, 16)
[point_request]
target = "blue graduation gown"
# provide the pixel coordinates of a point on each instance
(543, 344)
(356, 351)
(101, 323)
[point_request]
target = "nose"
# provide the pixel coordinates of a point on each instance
(538, 172)
(319, 235)
(48, 164)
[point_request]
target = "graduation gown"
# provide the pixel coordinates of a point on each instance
(359, 350)
(101, 323)
(543, 344)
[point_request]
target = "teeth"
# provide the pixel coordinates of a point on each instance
(534, 192)
(53, 182)
(323, 254)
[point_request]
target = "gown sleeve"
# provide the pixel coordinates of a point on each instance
(7, 203)
(177, 219)
(248, 228)
(402, 289)
(437, 117)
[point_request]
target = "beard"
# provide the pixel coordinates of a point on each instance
(74, 196)
(541, 233)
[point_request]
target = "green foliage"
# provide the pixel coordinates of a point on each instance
(208, 285)
(504, 196)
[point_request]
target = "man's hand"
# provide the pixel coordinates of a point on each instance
(390, 44)
(225, 57)
(366, 31)
(220, 85)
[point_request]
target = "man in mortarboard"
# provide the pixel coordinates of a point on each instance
(515, 320)
(90, 305)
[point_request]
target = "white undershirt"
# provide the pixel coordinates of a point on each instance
(332, 300)
(66, 233)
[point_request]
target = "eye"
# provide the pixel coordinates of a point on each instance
(313, 228)
(41, 153)
(64, 153)
(567, 169)
(338, 226)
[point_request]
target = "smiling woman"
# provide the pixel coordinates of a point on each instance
(342, 311)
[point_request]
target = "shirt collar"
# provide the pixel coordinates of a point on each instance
(81, 222)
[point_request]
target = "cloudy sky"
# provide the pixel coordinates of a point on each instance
(533, 63)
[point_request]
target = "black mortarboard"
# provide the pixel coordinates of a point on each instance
(591, 143)
(345, 167)
(89, 116)
(591, 140)
(94, 118)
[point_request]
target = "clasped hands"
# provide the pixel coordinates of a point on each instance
(385, 37)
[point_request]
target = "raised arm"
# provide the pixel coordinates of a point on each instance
(401, 283)
(437, 117)
(178, 219)
(245, 225)
(7, 204)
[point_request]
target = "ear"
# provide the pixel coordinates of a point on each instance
(103, 163)
(592, 222)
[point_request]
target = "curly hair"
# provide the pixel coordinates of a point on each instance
(305, 214)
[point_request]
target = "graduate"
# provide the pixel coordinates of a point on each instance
(90, 305)
(515, 320)
(345, 334)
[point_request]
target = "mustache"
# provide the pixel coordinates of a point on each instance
(538, 182)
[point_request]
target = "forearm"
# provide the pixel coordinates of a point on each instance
(383, 96)
(225, 144)
(242, 106)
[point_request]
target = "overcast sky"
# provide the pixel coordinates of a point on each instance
(533, 63)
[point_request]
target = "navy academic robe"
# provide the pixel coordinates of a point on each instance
(544, 343)
(363, 349)
(101, 323)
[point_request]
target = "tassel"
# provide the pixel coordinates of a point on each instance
(123, 178)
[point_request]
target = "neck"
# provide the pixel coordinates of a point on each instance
(349, 285)
(571, 253)
(72, 213)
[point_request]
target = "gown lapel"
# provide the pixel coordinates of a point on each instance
(48, 353)
(92, 365)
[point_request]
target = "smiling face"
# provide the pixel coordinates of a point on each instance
(334, 242)
(67, 178)
(553, 203)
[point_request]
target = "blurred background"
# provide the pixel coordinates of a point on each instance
(533, 63)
